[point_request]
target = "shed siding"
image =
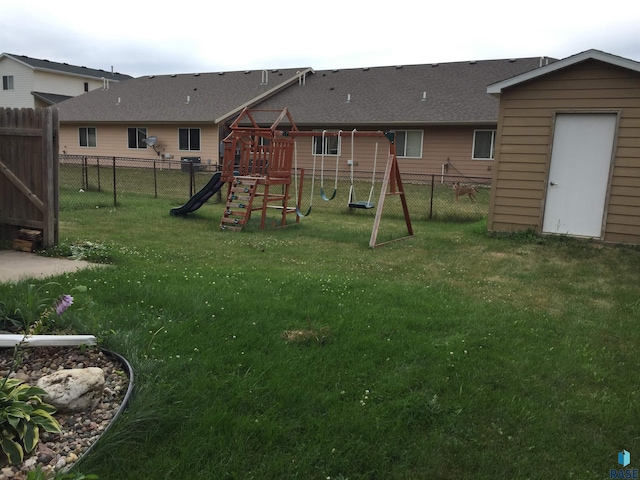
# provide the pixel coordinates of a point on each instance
(524, 139)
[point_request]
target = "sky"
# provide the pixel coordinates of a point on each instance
(187, 36)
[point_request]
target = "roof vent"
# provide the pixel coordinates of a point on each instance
(220, 73)
(274, 71)
(348, 98)
(473, 62)
(335, 71)
(424, 96)
(365, 69)
(196, 74)
(173, 75)
(152, 76)
(435, 64)
(265, 78)
(512, 60)
(398, 67)
(247, 72)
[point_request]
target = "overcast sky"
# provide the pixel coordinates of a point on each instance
(162, 37)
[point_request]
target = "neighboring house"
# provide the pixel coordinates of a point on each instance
(568, 150)
(32, 83)
(445, 121)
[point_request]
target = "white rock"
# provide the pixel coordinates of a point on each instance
(73, 389)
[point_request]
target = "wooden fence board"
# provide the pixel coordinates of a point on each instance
(29, 172)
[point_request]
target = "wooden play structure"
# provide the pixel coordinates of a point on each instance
(256, 159)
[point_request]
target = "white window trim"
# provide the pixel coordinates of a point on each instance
(421, 143)
(138, 147)
(319, 139)
(493, 144)
(96, 135)
(189, 139)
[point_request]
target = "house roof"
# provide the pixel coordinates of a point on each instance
(496, 88)
(445, 93)
(185, 98)
(65, 68)
(50, 98)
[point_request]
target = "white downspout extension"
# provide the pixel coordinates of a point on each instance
(47, 340)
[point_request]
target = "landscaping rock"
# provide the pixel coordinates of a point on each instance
(74, 389)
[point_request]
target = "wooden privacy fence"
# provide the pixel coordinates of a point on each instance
(29, 172)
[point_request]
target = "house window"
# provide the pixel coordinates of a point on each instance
(137, 136)
(7, 82)
(484, 144)
(331, 145)
(87, 136)
(189, 139)
(409, 143)
(86, 86)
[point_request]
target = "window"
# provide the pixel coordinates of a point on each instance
(331, 145)
(86, 86)
(409, 143)
(87, 136)
(189, 139)
(484, 144)
(7, 82)
(137, 136)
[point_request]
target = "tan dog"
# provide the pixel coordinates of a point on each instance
(462, 191)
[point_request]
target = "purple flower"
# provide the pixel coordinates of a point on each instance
(64, 302)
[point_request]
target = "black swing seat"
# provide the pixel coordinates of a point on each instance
(366, 205)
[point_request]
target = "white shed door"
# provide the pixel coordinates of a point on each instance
(579, 173)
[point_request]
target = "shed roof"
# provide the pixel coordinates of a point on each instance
(184, 98)
(496, 88)
(445, 93)
(38, 64)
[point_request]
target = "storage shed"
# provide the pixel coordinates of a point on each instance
(568, 149)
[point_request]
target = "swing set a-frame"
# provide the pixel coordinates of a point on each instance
(257, 158)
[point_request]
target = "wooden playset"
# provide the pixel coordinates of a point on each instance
(257, 159)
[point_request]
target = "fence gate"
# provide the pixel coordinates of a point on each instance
(29, 172)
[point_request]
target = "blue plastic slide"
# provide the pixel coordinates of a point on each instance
(201, 197)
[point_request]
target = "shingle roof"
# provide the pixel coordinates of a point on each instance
(177, 98)
(446, 93)
(411, 94)
(66, 68)
(51, 98)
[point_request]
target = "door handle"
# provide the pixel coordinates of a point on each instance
(553, 184)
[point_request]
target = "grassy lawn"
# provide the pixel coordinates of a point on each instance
(301, 353)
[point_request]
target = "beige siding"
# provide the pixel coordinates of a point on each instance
(20, 96)
(112, 141)
(440, 145)
(524, 137)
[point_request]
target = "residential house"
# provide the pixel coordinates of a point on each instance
(568, 149)
(444, 119)
(33, 83)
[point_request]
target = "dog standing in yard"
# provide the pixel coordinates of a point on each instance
(462, 191)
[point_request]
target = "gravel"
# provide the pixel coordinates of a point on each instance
(79, 430)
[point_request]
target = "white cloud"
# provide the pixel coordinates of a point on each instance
(174, 37)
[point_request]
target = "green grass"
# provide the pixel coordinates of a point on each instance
(455, 354)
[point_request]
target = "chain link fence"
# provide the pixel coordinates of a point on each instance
(95, 182)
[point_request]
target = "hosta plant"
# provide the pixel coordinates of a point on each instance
(22, 415)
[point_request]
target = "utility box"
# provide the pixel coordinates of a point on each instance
(186, 161)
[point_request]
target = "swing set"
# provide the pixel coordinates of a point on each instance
(256, 156)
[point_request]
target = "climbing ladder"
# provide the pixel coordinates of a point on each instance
(239, 203)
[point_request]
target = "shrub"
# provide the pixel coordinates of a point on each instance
(22, 415)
